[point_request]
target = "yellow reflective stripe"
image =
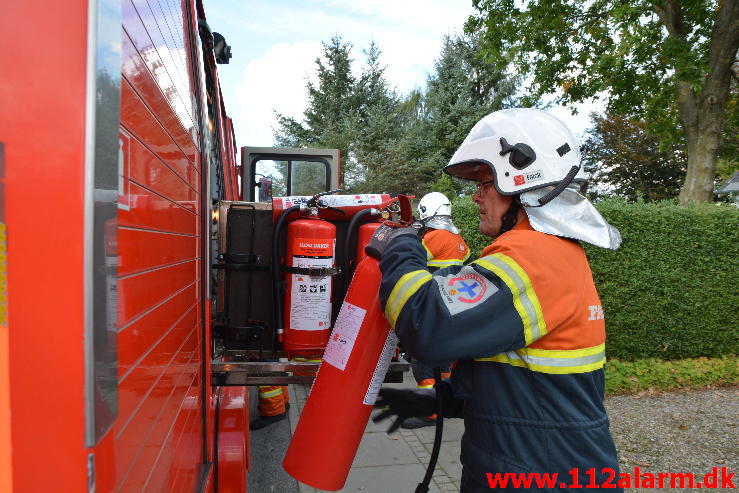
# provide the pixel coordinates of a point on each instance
(524, 298)
(271, 393)
(444, 263)
(426, 387)
(566, 353)
(466, 255)
(300, 359)
(404, 289)
(529, 290)
(429, 255)
(556, 361)
(559, 370)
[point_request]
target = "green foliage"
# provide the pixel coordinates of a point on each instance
(332, 103)
(465, 87)
(625, 159)
(654, 374)
(467, 219)
(669, 63)
(582, 48)
(391, 143)
(670, 291)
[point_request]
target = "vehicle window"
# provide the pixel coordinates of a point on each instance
(308, 177)
(270, 179)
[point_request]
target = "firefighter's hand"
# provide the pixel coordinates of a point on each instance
(382, 238)
(402, 404)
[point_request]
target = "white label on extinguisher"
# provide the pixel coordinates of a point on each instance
(336, 200)
(381, 369)
(340, 344)
(310, 297)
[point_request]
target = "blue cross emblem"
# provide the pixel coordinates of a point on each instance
(468, 289)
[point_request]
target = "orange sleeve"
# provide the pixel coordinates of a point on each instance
(444, 245)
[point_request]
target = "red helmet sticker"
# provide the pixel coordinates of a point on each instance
(518, 180)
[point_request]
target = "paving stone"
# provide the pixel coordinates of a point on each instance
(448, 488)
(386, 479)
(453, 429)
(376, 449)
(449, 459)
(441, 479)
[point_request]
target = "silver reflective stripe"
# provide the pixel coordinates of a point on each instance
(270, 393)
(554, 361)
(558, 362)
(524, 297)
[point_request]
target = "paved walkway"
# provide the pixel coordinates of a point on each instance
(395, 463)
(667, 432)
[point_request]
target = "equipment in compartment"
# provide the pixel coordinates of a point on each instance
(309, 267)
(245, 315)
(280, 286)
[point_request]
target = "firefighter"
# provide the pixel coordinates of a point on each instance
(524, 322)
(273, 406)
(274, 400)
(444, 247)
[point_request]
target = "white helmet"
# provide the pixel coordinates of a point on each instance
(434, 204)
(526, 149)
(435, 211)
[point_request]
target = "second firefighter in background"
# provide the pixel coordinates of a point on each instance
(444, 247)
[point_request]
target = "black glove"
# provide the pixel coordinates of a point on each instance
(382, 238)
(406, 403)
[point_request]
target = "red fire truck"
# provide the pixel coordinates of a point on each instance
(146, 278)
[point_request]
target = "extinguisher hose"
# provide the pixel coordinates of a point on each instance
(423, 486)
(276, 281)
(353, 224)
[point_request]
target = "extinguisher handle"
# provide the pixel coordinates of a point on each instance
(405, 218)
(406, 211)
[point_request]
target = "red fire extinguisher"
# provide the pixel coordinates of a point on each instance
(363, 238)
(309, 265)
(354, 365)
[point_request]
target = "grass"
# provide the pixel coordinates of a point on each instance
(626, 377)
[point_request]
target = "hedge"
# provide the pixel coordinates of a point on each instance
(670, 292)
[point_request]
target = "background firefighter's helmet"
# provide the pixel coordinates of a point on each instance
(434, 204)
(526, 149)
(435, 212)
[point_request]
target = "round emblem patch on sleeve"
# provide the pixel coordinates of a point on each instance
(468, 288)
(464, 290)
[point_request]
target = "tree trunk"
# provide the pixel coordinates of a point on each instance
(702, 114)
(702, 150)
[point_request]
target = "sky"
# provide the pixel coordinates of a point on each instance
(275, 44)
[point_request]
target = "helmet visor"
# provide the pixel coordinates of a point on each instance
(470, 170)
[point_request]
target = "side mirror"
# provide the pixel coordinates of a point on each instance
(221, 49)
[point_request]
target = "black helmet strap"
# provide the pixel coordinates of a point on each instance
(510, 217)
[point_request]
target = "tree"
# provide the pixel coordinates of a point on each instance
(391, 143)
(660, 60)
(465, 87)
(376, 125)
(625, 159)
(332, 103)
